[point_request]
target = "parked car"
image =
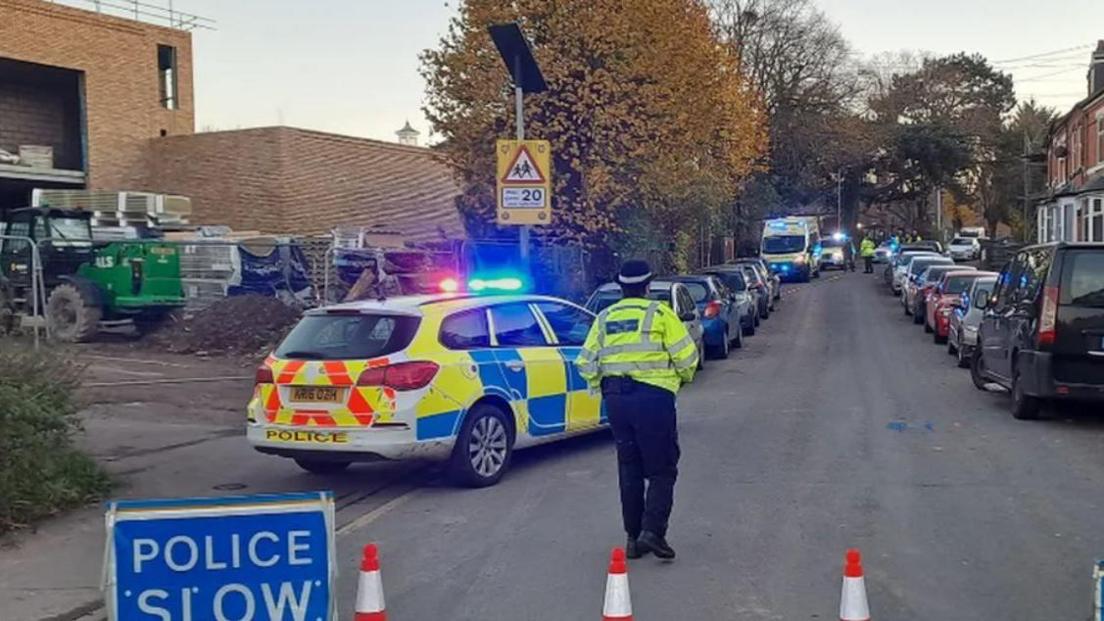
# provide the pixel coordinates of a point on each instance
(772, 277)
(944, 298)
(963, 322)
(758, 286)
(747, 303)
(884, 252)
(964, 249)
(1042, 334)
(925, 284)
(912, 275)
(833, 253)
(720, 314)
(675, 295)
(897, 270)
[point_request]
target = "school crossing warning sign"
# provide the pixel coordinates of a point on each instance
(524, 185)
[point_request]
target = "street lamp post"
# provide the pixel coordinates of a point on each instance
(527, 77)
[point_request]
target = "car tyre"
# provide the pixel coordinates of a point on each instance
(938, 340)
(738, 342)
(321, 466)
(483, 447)
(927, 328)
(72, 316)
(722, 350)
(917, 318)
(977, 370)
(749, 327)
(1024, 407)
(963, 361)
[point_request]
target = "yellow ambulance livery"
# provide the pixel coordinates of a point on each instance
(450, 377)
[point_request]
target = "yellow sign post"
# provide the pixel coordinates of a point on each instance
(524, 182)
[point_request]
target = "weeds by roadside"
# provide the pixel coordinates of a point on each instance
(41, 472)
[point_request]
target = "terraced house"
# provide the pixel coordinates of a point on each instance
(1074, 207)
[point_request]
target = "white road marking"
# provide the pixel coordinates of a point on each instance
(110, 369)
(137, 360)
(377, 513)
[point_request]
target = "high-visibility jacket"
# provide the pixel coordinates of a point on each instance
(867, 248)
(641, 339)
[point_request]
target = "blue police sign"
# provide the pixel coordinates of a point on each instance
(247, 558)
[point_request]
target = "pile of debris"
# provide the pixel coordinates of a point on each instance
(245, 324)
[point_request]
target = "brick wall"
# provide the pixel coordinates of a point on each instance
(118, 60)
(294, 181)
(41, 107)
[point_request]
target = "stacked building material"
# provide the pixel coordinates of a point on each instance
(122, 215)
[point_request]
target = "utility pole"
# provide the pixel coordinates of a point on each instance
(1026, 182)
(839, 200)
(939, 214)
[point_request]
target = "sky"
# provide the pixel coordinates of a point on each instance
(351, 66)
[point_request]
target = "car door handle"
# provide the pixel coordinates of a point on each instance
(515, 365)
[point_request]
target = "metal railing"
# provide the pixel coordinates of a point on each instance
(161, 14)
(38, 287)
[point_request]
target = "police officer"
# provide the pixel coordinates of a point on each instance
(639, 353)
(867, 250)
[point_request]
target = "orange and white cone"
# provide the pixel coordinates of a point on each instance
(618, 604)
(369, 600)
(853, 604)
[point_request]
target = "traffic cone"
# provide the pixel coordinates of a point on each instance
(853, 604)
(618, 604)
(369, 601)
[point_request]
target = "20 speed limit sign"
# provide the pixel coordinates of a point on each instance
(524, 182)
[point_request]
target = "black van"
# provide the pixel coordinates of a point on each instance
(1042, 334)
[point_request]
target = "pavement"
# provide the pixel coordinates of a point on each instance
(838, 425)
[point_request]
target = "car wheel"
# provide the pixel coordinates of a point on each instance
(757, 320)
(738, 342)
(749, 326)
(483, 447)
(1024, 407)
(321, 466)
(952, 350)
(977, 370)
(723, 348)
(701, 355)
(917, 318)
(938, 340)
(927, 328)
(766, 312)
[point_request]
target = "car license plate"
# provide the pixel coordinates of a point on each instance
(316, 394)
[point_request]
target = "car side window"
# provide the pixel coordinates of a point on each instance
(466, 330)
(1008, 284)
(570, 324)
(685, 302)
(516, 326)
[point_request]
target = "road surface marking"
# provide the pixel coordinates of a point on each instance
(377, 513)
(138, 360)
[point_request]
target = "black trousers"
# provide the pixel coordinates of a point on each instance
(868, 265)
(642, 418)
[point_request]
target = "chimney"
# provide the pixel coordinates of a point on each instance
(1096, 70)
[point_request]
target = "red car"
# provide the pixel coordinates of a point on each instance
(944, 297)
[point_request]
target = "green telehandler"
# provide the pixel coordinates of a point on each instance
(87, 285)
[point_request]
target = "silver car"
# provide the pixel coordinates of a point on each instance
(901, 265)
(963, 327)
(965, 249)
(743, 297)
(674, 294)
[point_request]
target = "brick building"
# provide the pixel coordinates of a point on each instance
(113, 99)
(93, 88)
(1074, 206)
(288, 180)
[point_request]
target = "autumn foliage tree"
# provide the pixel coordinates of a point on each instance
(652, 125)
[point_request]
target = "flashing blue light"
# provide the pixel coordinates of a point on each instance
(785, 268)
(838, 236)
(496, 284)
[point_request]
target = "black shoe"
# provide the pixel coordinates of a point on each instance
(633, 549)
(651, 542)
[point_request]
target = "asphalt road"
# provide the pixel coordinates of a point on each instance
(839, 425)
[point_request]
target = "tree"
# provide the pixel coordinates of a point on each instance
(647, 114)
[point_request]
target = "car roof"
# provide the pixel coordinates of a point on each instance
(416, 305)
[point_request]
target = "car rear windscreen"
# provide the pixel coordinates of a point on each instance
(347, 336)
(732, 280)
(1083, 278)
(698, 291)
(957, 284)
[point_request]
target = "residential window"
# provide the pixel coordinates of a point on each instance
(1100, 137)
(1097, 221)
(1077, 155)
(167, 76)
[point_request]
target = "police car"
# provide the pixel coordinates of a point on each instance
(458, 377)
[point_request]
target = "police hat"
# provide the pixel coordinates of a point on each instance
(634, 272)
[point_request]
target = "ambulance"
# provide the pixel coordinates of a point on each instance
(791, 247)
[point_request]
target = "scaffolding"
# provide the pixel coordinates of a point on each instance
(150, 12)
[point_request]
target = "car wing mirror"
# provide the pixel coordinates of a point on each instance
(981, 303)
